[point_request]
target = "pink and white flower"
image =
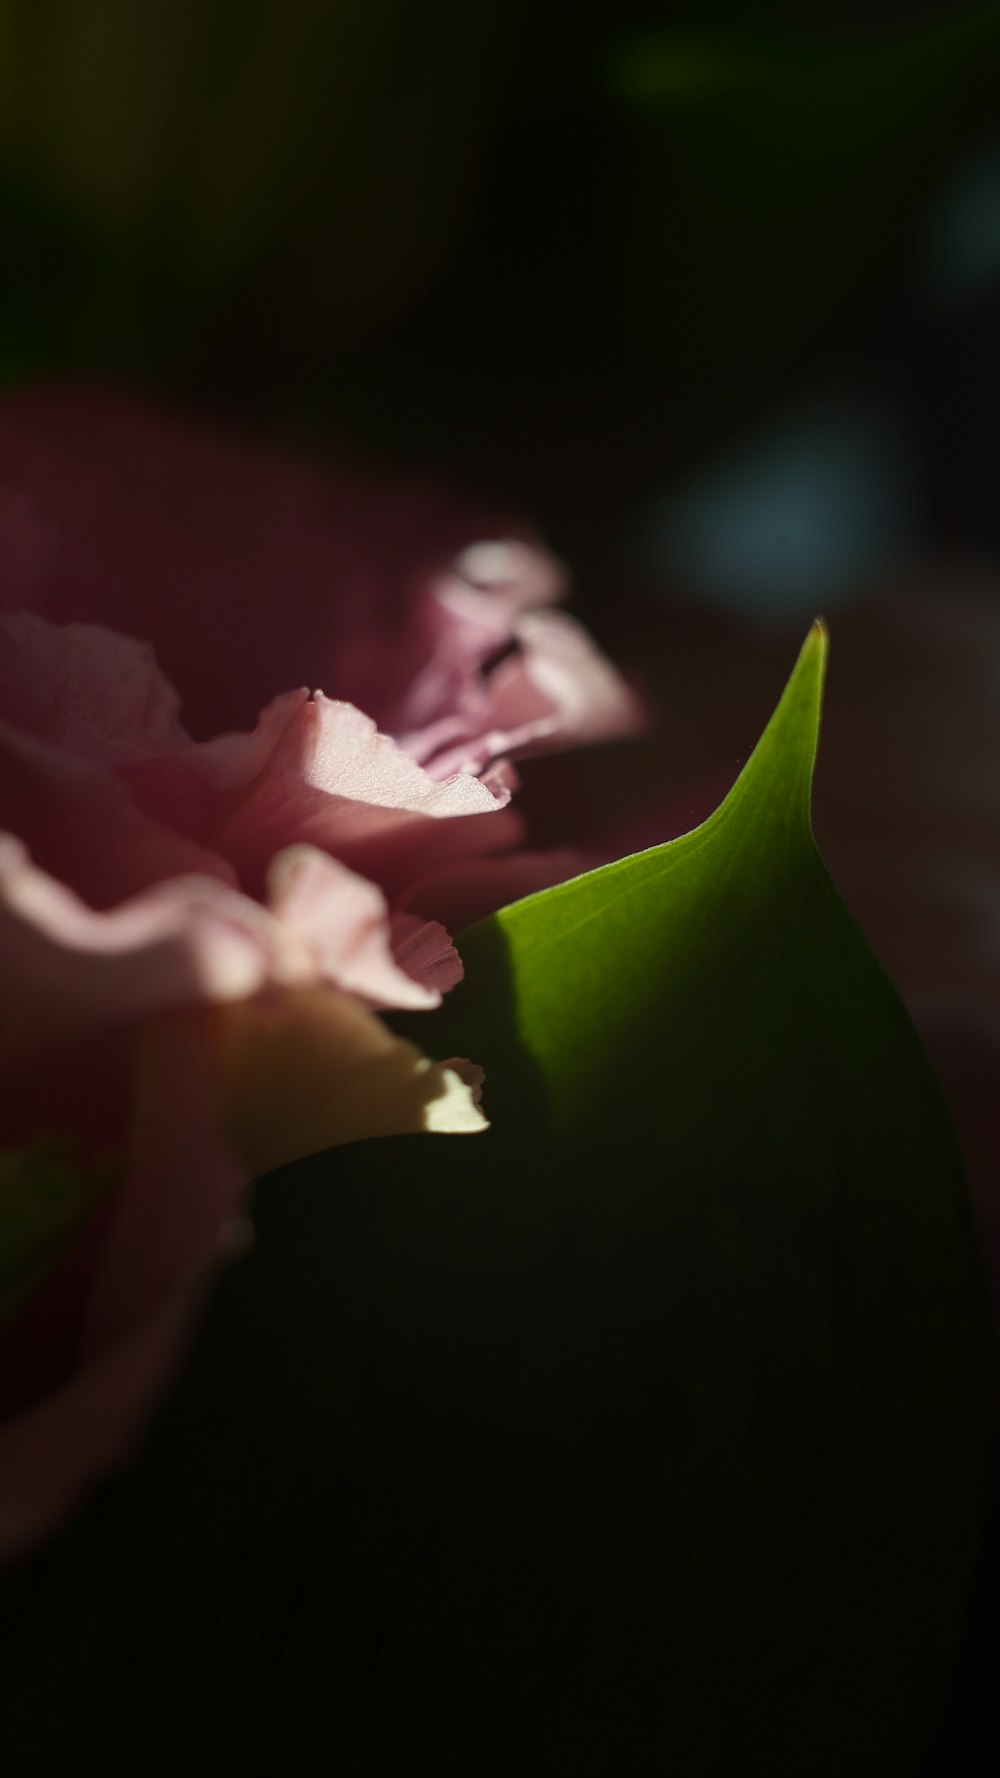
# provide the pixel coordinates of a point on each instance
(210, 867)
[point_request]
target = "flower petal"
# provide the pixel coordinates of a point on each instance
(333, 781)
(118, 514)
(556, 691)
(69, 970)
(309, 1070)
(89, 691)
(82, 824)
(424, 950)
(344, 920)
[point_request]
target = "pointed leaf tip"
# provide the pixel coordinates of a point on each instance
(706, 1309)
(775, 785)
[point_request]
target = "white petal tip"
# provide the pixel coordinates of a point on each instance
(455, 1111)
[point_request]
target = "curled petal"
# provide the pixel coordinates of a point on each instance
(344, 920)
(556, 690)
(587, 696)
(424, 950)
(477, 604)
(69, 970)
(334, 782)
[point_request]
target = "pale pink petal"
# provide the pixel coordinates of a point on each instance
(556, 691)
(68, 969)
(334, 782)
(411, 627)
(478, 602)
(344, 921)
(315, 771)
(587, 695)
(196, 787)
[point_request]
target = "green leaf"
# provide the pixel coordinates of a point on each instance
(648, 943)
(644, 1434)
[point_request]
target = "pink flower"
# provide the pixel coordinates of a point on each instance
(208, 866)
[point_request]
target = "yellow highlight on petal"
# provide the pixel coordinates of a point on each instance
(312, 1069)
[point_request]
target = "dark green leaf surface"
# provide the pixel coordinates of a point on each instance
(644, 1434)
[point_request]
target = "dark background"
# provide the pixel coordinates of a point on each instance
(646, 272)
